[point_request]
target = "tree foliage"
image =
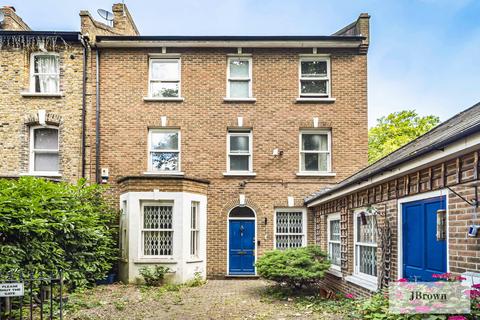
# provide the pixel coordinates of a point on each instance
(294, 267)
(396, 130)
(47, 226)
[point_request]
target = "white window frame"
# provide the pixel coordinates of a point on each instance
(32, 151)
(240, 133)
(179, 79)
(356, 245)
(33, 74)
(330, 218)
(123, 242)
(194, 229)
(249, 78)
(142, 230)
(179, 150)
(329, 151)
(327, 78)
(304, 226)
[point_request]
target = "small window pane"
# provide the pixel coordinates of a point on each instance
(314, 69)
(335, 230)
(46, 162)
(334, 253)
(314, 161)
(239, 69)
(164, 141)
(315, 142)
(239, 89)
(164, 89)
(368, 260)
(239, 144)
(164, 70)
(366, 233)
(165, 161)
(239, 163)
(46, 139)
(314, 86)
(157, 217)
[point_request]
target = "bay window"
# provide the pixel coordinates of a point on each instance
(164, 150)
(194, 229)
(157, 229)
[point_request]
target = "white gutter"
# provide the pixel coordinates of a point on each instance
(227, 44)
(461, 146)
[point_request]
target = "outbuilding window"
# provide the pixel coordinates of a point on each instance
(44, 73)
(333, 233)
(365, 243)
(164, 150)
(164, 79)
(44, 150)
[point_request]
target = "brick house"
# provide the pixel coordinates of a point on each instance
(41, 76)
(408, 215)
(209, 144)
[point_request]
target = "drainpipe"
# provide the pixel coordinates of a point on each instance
(84, 103)
(97, 118)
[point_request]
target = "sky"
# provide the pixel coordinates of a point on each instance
(424, 54)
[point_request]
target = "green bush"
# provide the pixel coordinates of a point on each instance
(154, 276)
(294, 267)
(47, 226)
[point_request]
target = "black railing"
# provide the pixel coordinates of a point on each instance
(31, 297)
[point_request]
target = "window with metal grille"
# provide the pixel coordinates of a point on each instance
(365, 245)
(334, 239)
(289, 229)
(194, 229)
(157, 229)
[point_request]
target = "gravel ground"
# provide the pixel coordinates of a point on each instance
(217, 299)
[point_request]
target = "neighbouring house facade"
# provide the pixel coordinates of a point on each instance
(410, 215)
(41, 78)
(209, 144)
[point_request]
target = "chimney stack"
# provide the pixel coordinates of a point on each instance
(11, 21)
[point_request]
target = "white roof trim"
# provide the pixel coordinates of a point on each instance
(228, 44)
(464, 145)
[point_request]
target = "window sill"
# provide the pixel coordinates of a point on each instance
(239, 174)
(42, 174)
(315, 100)
(246, 100)
(316, 174)
(359, 281)
(42, 95)
(194, 260)
(173, 99)
(154, 260)
(335, 272)
(165, 173)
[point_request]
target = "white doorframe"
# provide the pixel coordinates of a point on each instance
(423, 196)
(228, 241)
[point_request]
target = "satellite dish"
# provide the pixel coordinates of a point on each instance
(2, 16)
(107, 15)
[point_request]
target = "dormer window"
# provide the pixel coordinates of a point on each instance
(45, 73)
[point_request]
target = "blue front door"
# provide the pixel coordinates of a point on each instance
(242, 247)
(423, 254)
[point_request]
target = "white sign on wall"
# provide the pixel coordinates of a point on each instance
(11, 289)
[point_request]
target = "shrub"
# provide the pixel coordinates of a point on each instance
(47, 226)
(294, 267)
(154, 276)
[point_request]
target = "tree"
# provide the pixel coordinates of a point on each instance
(396, 130)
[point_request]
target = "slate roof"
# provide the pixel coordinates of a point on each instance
(462, 124)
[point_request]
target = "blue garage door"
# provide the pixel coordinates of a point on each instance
(423, 254)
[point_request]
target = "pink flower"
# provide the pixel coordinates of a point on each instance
(350, 296)
(476, 286)
(472, 293)
(460, 278)
(403, 280)
(422, 309)
(457, 318)
(436, 276)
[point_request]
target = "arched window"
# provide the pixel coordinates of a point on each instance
(44, 150)
(242, 212)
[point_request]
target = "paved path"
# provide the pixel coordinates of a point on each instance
(218, 299)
